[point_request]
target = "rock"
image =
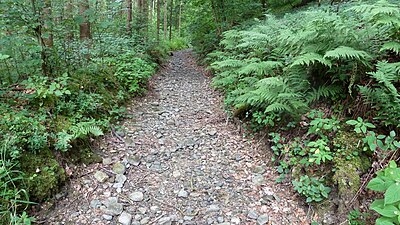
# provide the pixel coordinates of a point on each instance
(101, 176)
(235, 220)
(145, 220)
(107, 161)
(154, 208)
(142, 210)
(95, 203)
(188, 218)
(258, 180)
(165, 221)
(125, 218)
(119, 168)
(107, 217)
(226, 223)
(252, 214)
(183, 194)
(220, 219)
(136, 196)
(212, 132)
(263, 219)
(112, 207)
(259, 169)
(176, 174)
(213, 208)
(134, 160)
(120, 178)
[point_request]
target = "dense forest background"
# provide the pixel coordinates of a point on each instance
(321, 78)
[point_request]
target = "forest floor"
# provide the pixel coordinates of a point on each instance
(177, 161)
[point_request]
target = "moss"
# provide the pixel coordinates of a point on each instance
(350, 165)
(45, 174)
(83, 155)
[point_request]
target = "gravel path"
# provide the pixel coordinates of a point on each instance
(177, 162)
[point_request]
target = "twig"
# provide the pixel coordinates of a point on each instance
(172, 206)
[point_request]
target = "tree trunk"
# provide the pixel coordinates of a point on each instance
(170, 19)
(145, 17)
(165, 19)
(69, 14)
(84, 28)
(158, 19)
(46, 30)
(180, 18)
(264, 4)
(129, 18)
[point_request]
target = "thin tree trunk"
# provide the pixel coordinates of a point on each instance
(69, 14)
(84, 28)
(165, 19)
(46, 17)
(129, 18)
(158, 19)
(180, 18)
(145, 17)
(170, 19)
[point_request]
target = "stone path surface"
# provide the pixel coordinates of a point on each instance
(177, 161)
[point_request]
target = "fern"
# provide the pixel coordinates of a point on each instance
(392, 46)
(260, 68)
(311, 58)
(383, 95)
(344, 52)
(323, 92)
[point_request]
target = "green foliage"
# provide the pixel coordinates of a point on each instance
(13, 198)
(387, 181)
(281, 66)
(313, 189)
(360, 126)
(356, 217)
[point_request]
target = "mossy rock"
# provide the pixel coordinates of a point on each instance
(83, 155)
(45, 174)
(349, 168)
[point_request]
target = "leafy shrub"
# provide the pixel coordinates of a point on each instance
(387, 181)
(313, 189)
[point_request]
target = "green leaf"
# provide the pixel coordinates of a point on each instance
(351, 122)
(384, 221)
(364, 129)
(388, 211)
(392, 194)
(377, 184)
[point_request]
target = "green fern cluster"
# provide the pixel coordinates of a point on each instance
(283, 65)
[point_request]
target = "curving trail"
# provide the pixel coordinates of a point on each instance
(177, 162)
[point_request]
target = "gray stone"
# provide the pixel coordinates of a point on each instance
(263, 219)
(213, 208)
(101, 176)
(226, 223)
(119, 168)
(220, 219)
(145, 220)
(188, 218)
(95, 203)
(107, 161)
(142, 210)
(125, 218)
(165, 221)
(107, 217)
(258, 180)
(134, 160)
(112, 207)
(176, 174)
(136, 196)
(183, 194)
(259, 169)
(212, 132)
(252, 214)
(120, 178)
(235, 220)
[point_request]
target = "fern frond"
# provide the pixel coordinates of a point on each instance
(226, 64)
(392, 46)
(311, 58)
(345, 52)
(260, 68)
(323, 92)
